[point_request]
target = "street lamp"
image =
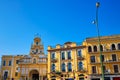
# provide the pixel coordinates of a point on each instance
(98, 33)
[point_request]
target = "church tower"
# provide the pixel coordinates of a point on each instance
(37, 47)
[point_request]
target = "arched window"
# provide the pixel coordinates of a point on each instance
(89, 49)
(95, 48)
(63, 67)
(80, 65)
(113, 47)
(53, 67)
(53, 55)
(36, 43)
(69, 54)
(69, 67)
(119, 46)
(63, 56)
(101, 47)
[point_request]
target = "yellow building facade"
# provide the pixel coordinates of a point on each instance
(67, 62)
(82, 62)
(70, 61)
(110, 47)
(26, 67)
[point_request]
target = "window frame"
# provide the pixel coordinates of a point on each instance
(115, 68)
(94, 59)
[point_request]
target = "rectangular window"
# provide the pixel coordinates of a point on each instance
(69, 55)
(63, 56)
(79, 53)
(4, 63)
(114, 57)
(116, 69)
(10, 63)
(93, 69)
(92, 59)
(6, 75)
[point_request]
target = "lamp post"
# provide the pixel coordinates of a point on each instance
(98, 33)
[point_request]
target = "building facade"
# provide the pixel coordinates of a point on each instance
(70, 61)
(26, 67)
(110, 48)
(67, 62)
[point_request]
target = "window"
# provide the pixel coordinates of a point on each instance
(116, 69)
(5, 75)
(114, 57)
(79, 53)
(53, 55)
(102, 57)
(63, 67)
(69, 55)
(36, 43)
(95, 48)
(63, 56)
(80, 66)
(101, 48)
(10, 63)
(53, 67)
(92, 59)
(89, 49)
(4, 63)
(119, 46)
(17, 61)
(93, 69)
(69, 67)
(16, 74)
(113, 47)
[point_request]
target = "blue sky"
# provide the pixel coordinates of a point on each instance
(57, 21)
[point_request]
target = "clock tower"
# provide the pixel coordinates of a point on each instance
(37, 47)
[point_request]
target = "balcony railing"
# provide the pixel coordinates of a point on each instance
(106, 61)
(80, 58)
(31, 62)
(54, 60)
(56, 72)
(82, 70)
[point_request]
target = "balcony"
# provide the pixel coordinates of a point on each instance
(56, 73)
(54, 60)
(106, 61)
(80, 58)
(82, 70)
